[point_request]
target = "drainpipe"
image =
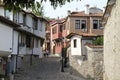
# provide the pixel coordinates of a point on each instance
(31, 59)
(17, 54)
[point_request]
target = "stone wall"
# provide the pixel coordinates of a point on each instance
(112, 43)
(90, 66)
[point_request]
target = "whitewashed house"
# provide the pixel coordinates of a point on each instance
(24, 38)
(31, 43)
(78, 42)
(34, 25)
(7, 28)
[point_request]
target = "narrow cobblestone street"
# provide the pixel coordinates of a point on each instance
(47, 69)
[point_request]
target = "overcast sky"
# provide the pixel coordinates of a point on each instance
(73, 6)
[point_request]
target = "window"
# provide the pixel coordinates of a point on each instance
(7, 14)
(83, 24)
(100, 23)
(37, 42)
(41, 26)
(16, 17)
(77, 24)
(60, 28)
(63, 26)
(24, 19)
(54, 30)
(80, 24)
(75, 43)
(22, 40)
(28, 41)
(95, 24)
(35, 25)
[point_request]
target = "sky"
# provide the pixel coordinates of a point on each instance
(75, 5)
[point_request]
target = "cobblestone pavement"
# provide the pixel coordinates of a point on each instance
(47, 69)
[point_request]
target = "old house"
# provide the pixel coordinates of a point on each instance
(58, 33)
(25, 34)
(83, 28)
(85, 24)
(111, 40)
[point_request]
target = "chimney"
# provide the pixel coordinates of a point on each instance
(87, 9)
(58, 18)
(104, 9)
(68, 12)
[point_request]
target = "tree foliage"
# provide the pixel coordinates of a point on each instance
(38, 9)
(17, 4)
(98, 41)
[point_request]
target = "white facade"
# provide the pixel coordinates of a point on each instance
(17, 37)
(41, 29)
(76, 45)
(15, 42)
(6, 34)
(29, 25)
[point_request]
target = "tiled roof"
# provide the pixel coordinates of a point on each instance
(58, 21)
(94, 46)
(82, 34)
(39, 17)
(82, 14)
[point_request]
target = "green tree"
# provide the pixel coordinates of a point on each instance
(38, 9)
(98, 41)
(17, 4)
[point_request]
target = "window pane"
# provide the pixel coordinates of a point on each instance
(83, 24)
(7, 14)
(77, 24)
(100, 23)
(75, 43)
(37, 42)
(24, 19)
(60, 28)
(95, 24)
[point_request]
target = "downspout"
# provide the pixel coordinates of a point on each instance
(8, 63)
(81, 48)
(17, 53)
(12, 47)
(31, 59)
(32, 46)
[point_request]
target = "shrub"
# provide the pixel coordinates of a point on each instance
(98, 41)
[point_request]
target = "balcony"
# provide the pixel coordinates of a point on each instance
(57, 35)
(26, 27)
(39, 33)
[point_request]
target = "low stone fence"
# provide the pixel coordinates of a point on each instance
(89, 66)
